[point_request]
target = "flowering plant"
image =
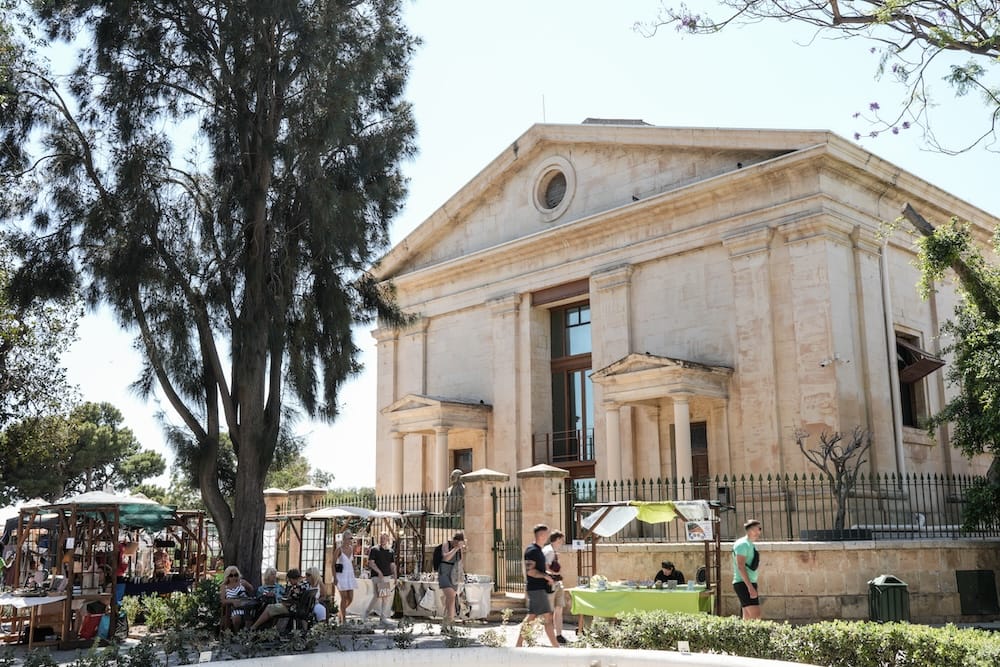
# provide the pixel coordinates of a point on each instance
(599, 580)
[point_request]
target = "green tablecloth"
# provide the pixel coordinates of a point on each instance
(615, 601)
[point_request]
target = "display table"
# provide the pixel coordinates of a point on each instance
(617, 600)
(32, 604)
(474, 601)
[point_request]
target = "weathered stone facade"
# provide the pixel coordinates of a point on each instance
(735, 278)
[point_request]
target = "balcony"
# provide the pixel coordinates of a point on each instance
(565, 449)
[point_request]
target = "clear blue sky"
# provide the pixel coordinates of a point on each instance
(487, 71)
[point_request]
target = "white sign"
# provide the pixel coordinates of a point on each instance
(699, 531)
(683, 647)
(70, 542)
(579, 545)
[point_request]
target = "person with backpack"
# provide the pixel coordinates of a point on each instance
(447, 560)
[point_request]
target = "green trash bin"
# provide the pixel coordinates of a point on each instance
(888, 599)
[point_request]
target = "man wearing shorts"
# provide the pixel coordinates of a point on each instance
(557, 596)
(536, 586)
(746, 562)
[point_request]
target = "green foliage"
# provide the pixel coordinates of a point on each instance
(7, 658)
(206, 595)
(833, 643)
(86, 450)
(238, 254)
(34, 335)
(403, 634)
(132, 606)
(143, 654)
(157, 612)
(96, 656)
(39, 657)
(182, 642)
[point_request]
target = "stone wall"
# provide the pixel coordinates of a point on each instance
(809, 581)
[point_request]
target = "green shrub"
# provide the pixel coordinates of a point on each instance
(143, 654)
(132, 606)
(39, 657)
(833, 643)
(209, 610)
(156, 611)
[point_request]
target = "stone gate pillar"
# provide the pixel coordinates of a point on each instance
(479, 518)
(541, 499)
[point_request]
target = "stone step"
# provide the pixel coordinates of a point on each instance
(500, 601)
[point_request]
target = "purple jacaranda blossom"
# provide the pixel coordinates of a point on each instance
(873, 134)
(856, 114)
(895, 130)
(906, 124)
(857, 136)
(874, 106)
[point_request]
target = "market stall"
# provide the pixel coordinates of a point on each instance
(70, 553)
(600, 598)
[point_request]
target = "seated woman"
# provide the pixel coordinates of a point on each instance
(315, 582)
(270, 591)
(283, 607)
(235, 596)
(668, 572)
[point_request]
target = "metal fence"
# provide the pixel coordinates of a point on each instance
(508, 557)
(446, 512)
(805, 507)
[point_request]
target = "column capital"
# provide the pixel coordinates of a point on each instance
(507, 303)
(441, 429)
(819, 226)
(418, 326)
(385, 335)
(866, 240)
(610, 278)
(680, 396)
(749, 242)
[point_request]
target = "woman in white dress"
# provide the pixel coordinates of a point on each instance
(343, 558)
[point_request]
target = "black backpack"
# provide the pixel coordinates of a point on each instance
(437, 557)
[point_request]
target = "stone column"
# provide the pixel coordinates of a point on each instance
(682, 441)
(755, 386)
(396, 456)
(506, 449)
(541, 499)
(479, 518)
(386, 395)
(440, 474)
(613, 442)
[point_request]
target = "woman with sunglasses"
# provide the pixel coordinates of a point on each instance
(234, 595)
(343, 558)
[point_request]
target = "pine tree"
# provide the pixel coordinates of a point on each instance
(221, 174)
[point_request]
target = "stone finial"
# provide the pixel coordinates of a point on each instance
(542, 470)
(485, 475)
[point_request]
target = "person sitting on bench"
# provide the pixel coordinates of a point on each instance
(296, 588)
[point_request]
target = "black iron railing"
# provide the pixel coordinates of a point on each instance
(564, 446)
(803, 506)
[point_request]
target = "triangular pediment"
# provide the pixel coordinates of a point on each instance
(415, 413)
(607, 167)
(649, 377)
(637, 362)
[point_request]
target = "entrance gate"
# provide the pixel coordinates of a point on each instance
(508, 556)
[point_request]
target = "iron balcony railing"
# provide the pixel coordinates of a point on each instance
(803, 507)
(564, 447)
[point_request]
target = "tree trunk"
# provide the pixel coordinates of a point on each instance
(245, 544)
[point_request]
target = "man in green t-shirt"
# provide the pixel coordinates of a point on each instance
(746, 563)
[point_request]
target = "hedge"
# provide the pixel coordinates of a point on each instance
(833, 643)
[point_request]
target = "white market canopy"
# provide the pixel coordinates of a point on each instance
(609, 518)
(345, 512)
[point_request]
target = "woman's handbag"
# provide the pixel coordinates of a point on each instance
(429, 600)
(338, 568)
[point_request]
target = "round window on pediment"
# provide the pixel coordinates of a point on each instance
(554, 185)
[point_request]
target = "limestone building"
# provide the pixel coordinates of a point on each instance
(623, 300)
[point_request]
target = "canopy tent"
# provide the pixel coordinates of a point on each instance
(597, 520)
(133, 511)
